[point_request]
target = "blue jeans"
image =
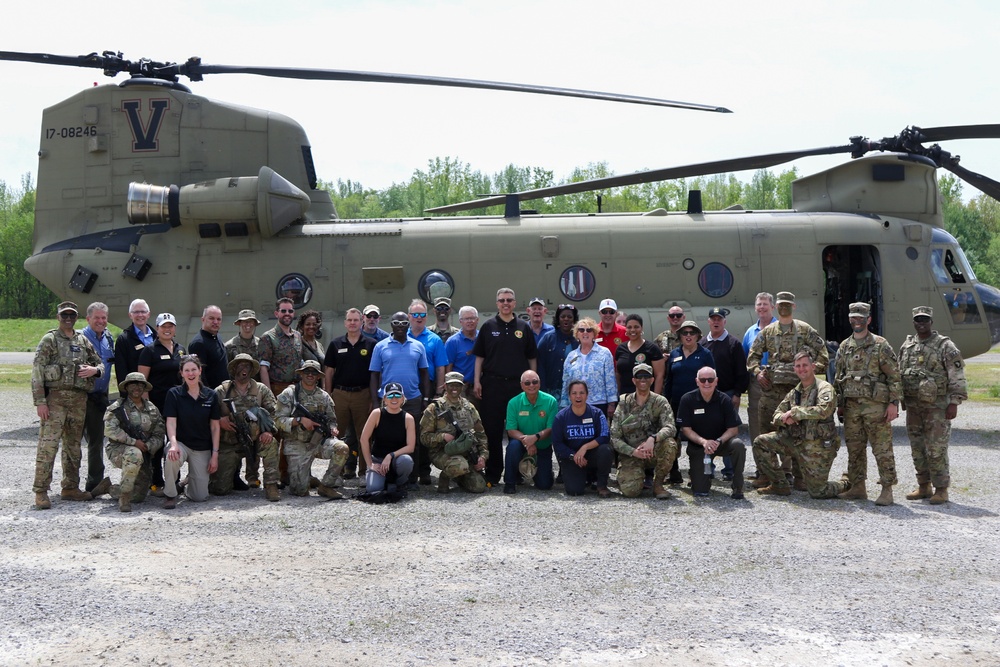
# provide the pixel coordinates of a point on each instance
(517, 451)
(401, 465)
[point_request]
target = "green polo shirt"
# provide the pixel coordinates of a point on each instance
(531, 419)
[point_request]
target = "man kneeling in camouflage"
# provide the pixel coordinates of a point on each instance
(806, 432)
(642, 432)
(135, 431)
(305, 413)
(451, 429)
(248, 428)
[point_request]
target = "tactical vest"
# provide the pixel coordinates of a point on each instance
(812, 429)
(922, 365)
(70, 355)
(858, 380)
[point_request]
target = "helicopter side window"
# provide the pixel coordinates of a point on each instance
(949, 268)
(434, 284)
(962, 307)
(296, 287)
(715, 280)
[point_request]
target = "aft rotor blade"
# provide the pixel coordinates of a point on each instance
(652, 176)
(951, 132)
(984, 183)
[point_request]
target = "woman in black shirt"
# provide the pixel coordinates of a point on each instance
(388, 441)
(161, 363)
(192, 413)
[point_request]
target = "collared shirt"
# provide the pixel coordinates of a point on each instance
(434, 347)
(612, 339)
(459, 351)
(164, 368)
(194, 415)
(682, 372)
(350, 363)
(147, 337)
(730, 363)
(211, 352)
(751, 335)
(399, 362)
(105, 348)
(530, 418)
(281, 353)
(546, 327)
(709, 419)
(597, 369)
(505, 347)
(377, 335)
(128, 346)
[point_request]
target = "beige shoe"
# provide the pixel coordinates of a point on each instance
(660, 491)
(922, 491)
(940, 496)
(885, 498)
(102, 488)
(329, 492)
(125, 502)
(75, 494)
(773, 490)
(42, 501)
(857, 492)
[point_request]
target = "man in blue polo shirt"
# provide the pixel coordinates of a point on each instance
(529, 431)
(458, 348)
(437, 358)
(96, 332)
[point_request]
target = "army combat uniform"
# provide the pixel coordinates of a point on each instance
(54, 382)
(813, 442)
(631, 425)
(453, 458)
(136, 467)
(302, 445)
(867, 381)
(231, 452)
(933, 378)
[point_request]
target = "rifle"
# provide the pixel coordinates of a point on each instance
(243, 436)
(325, 429)
(470, 452)
(131, 430)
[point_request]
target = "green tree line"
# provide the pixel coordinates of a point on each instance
(21, 295)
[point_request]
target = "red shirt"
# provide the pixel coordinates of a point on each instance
(611, 340)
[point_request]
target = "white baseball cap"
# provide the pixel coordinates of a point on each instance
(608, 303)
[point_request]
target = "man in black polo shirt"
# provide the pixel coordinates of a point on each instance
(707, 419)
(505, 348)
(348, 382)
(210, 349)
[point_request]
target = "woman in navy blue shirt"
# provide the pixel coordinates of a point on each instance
(581, 442)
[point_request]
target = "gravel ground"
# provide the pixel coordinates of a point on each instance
(531, 579)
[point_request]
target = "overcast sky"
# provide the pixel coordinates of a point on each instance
(796, 74)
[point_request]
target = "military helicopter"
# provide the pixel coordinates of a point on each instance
(228, 199)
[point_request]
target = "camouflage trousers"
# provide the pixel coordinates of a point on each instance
(929, 432)
(137, 468)
(300, 456)
(632, 470)
(814, 457)
(864, 422)
(768, 403)
(67, 414)
(457, 468)
(220, 482)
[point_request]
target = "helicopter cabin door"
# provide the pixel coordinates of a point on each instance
(852, 273)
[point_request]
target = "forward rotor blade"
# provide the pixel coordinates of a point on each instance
(950, 132)
(984, 183)
(702, 169)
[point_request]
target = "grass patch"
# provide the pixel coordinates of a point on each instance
(984, 382)
(23, 335)
(15, 376)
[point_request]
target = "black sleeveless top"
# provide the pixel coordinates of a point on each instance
(390, 434)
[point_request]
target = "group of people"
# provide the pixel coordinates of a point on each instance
(589, 395)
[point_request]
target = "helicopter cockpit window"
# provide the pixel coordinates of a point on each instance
(950, 266)
(435, 283)
(294, 286)
(962, 307)
(715, 280)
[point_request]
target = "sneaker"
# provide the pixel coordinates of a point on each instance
(510, 488)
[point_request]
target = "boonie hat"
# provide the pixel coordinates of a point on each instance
(309, 365)
(528, 467)
(719, 312)
(923, 311)
(66, 305)
(246, 314)
(642, 368)
(243, 356)
(689, 324)
(165, 318)
(393, 388)
(454, 377)
(859, 309)
(608, 303)
(132, 378)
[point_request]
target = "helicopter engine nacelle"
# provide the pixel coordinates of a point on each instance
(267, 199)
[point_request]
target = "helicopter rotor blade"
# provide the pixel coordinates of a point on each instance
(112, 63)
(952, 132)
(984, 183)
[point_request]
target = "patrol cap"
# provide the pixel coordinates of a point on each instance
(133, 378)
(689, 324)
(310, 365)
(442, 301)
(860, 309)
(165, 318)
(371, 308)
(243, 356)
(923, 311)
(539, 300)
(66, 305)
(642, 368)
(528, 467)
(785, 297)
(246, 314)
(719, 312)
(453, 377)
(393, 389)
(608, 303)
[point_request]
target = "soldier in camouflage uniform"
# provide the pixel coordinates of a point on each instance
(255, 408)
(671, 338)
(246, 342)
(805, 431)
(133, 455)
(642, 431)
(304, 437)
(451, 429)
(782, 340)
(933, 388)
(868, 392)
(63, 372)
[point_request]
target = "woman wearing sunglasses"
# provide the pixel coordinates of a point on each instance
(594, 365)
(388, 441)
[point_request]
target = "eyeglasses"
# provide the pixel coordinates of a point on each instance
(418, 316)
(529, 382)
(286, 310)
(139, 312)
(400, 323)
(675, 316)
(585, 330)
(706, 380)
(505, 300)
(372, 316)
(468, 319)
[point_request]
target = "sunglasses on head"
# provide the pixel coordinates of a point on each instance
(565, 306)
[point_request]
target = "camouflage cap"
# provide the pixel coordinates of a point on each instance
(719, 312)
(442, 301)
(243, 356)
(454, 377)
(67, 305)
(642, 368)
(923, 311)
(246, 314)
(528, 467)
(785, 297)
(860, 309)
(133, 378)
(310, 365)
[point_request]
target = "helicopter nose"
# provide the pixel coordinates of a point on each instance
(990, 296)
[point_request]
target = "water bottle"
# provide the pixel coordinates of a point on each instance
(708, 466)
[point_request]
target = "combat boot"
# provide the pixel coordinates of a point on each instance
(75, 494)
(125, 502)
(102, 488)
(42, 501)
(885, 498)
(329, 492)
(940, 496)
(271, 493)
(660, 491)
(923, 491)
(773, 490)
(444, 483)
(858, 491)
(800, 484)
(760, 482)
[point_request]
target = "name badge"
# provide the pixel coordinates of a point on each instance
(588, 420)
(675, 360)
(140, 347)
(165, 357)
(523, 413)
(700, 411)
(342, 350)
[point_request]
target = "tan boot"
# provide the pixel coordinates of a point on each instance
(271, 493)
(940, 496)
(773, 490)
(329, 492)
(800, 484)
(125, 502)
(760, 482)
(42, 501)
(102, 488)
(885, 498)
(856, 492)
(75, 494)
(923, 491)
(660, 491)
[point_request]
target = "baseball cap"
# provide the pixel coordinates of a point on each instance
(371, 308)
(536, 299)
(392, 388)
(165, 318)
(608, 303)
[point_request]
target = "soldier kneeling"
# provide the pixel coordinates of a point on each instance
(451, 429)
(135, 432)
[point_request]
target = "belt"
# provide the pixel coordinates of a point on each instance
(350, 389)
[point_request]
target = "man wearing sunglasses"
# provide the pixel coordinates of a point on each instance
(669, 340)
(65, 369)
(442, 315)
(369, 324)
(280, 349)
(610, 334)
(529, 431)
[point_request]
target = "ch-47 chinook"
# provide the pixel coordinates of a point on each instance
(146, 189)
